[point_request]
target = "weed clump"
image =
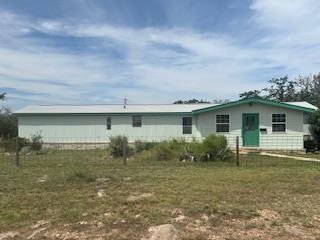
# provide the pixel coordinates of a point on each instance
(213, 148)
(119, 146)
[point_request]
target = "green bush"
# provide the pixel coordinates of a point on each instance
(163, 152)
(314, 122)
(310, 145)
(140, 146)
(9, 145)
(118, 145)
(36, 142)
(216, 148)
(80, 175)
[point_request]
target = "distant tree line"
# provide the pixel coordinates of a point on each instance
(196, 101)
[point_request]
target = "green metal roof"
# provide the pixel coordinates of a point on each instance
(255, 100)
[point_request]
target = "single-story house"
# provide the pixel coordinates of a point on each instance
(259, 123)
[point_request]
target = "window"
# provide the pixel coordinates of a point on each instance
(278, 122)
(108, 123)
(136, 121)
(222, 123)
(250, 122)
(187, 125)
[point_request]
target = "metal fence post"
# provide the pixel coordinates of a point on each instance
(17, 153)
(237, 150)
(124, 153)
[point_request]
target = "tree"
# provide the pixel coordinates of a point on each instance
(8, 121)
(191, 101)
(249, 94)
(2, 96)
(281, 89)
(314, 122)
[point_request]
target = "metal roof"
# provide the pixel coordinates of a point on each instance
(111, 108)
(141, 108)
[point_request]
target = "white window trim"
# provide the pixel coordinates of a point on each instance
(222, 123)
(278, 123)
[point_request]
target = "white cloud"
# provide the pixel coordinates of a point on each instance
(158, 63)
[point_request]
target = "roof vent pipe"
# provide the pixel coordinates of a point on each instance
(124, 103)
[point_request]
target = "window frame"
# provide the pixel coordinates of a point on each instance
(223, 123)
(134, 121)
(279, 123)
(187, 128)
(109, 123)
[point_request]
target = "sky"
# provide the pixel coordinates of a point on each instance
(151, 51)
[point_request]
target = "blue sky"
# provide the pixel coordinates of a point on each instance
(151, 51)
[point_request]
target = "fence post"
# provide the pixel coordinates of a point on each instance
(17, 153)
(124, 153)
(237, 150)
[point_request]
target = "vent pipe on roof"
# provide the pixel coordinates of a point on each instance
(124, 103)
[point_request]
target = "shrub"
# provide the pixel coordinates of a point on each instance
(36, 142)
(140, 146)
(163, 152)
(9, 145)
(216, 147)
(193, 151)
(81, 175)
(314, 121)
(310, 145)
(117, 145)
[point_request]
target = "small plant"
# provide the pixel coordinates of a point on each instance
(140, 146)
(216, 147)
(81, 175)
(163, 152)
(36, 142)
(118, 145)
(9, 145)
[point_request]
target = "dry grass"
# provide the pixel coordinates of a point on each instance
(54, 195)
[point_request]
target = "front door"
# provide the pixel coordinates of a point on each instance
(250, 129)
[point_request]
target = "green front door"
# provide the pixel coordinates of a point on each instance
(250, 129)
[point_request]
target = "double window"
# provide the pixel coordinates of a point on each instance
(222, 123)
(136, 121)
(278, 122)
(187, 125)
(108, 123)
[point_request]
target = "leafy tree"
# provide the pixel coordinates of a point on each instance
(304, 88)
(8, 121)
(315, 126)
(249, 94)
(2, 96)
(281, 89)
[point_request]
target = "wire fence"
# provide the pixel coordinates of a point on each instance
(96, 148)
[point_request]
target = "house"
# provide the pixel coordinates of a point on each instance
(259, 123)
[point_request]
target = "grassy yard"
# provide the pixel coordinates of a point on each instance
(86, 195)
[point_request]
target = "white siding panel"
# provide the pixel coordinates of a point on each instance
(92, 128)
